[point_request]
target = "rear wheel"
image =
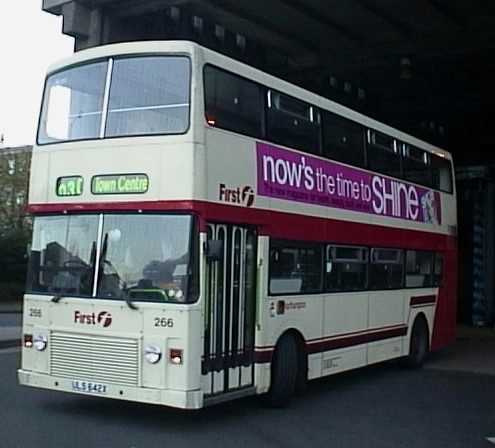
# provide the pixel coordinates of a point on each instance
(284, 372)
(419, 344)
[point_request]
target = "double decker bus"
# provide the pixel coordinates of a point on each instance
(205, 231)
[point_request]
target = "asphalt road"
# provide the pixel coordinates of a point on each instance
(381, 407)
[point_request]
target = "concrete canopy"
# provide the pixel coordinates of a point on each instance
(424, 66)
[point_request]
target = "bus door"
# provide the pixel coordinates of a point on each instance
(230, 297)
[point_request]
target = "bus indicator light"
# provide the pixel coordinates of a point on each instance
(28, 340)
(176, 356)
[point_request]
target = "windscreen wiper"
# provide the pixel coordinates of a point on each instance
(130, 303)
(56, 298)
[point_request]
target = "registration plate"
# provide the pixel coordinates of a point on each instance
(89, 387)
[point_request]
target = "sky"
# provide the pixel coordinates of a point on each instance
(30, 40)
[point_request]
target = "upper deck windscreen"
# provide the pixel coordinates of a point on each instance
(147, 95)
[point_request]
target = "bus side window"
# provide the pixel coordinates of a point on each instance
(442, 174)
(293, 123)
(419, 268)
(346, 268)
(383, 154)
(295, 268)
(416, 164)
(233, 103)
(343, 140)
(438, 269)
(386, 269)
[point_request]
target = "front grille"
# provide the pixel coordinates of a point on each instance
(95, 358)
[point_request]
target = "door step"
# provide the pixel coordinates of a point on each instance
(227, 396)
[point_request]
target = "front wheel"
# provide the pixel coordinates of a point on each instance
(284, 372)
(418, 345)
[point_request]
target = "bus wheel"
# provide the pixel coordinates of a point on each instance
(283, 372)
(418, 345)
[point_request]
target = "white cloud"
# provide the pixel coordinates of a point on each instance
(30, 40)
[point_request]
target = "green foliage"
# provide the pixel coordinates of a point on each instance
(15, 226)
(14, 256)
(13, 264)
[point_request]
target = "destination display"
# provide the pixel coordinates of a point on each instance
(303, 178)
(120, 184)
(69, 186)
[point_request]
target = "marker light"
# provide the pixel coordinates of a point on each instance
(28, 340)
(152, 354)
(40, 342)
(176, 356)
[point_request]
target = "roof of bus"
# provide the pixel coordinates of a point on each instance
(242, 69)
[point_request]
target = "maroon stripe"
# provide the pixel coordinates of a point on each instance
(273, 223)
(423, 300)
(333, 344)
(262, 357)
(351, 341)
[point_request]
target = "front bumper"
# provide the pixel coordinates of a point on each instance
(173, 398)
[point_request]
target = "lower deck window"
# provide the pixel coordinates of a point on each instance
(386, 269)
(136, 257)
(295, 268)
(418, 269)
(346, 268)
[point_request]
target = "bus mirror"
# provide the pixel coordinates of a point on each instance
(214, 250)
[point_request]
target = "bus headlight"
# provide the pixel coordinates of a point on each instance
(40, 342)
(152, 354)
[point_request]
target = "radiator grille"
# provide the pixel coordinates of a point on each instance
(95, 358)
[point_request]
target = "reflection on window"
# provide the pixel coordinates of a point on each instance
(63, 255)
(145, 257)
(73, 104)
(386, 269)
(346, 268)
(295, 268)
(149, 95)
(418, 269)
(140, 257)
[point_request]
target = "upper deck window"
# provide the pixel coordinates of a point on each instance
(146, 95)
(383, 154)
(233, 103)
(73, 104)
(293, 123)
(149, 95)
(442, 173)
(343, 139)
(416, 165)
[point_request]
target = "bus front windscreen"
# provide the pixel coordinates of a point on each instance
(142, 258)
(147, 95)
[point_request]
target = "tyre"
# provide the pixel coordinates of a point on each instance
(284, 372)
(419, 344)
(302, 370)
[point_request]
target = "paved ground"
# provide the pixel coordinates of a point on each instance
(381, 407)
(474, 352)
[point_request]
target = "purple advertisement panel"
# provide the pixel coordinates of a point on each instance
(298, 177)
